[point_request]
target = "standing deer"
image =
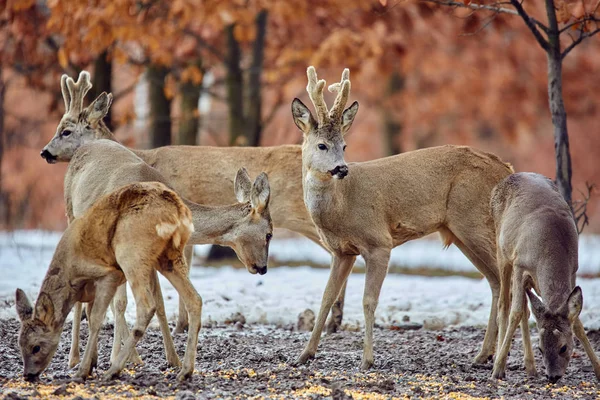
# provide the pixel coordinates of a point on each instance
(95, 255)
(537, 247)
(371, 207)
(201, 174)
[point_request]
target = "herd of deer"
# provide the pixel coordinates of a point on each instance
(133, 213)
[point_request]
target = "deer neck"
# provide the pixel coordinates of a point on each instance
(322, 194)
(214, 224)
(58, 283)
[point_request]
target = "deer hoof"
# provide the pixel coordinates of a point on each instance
(498, 373)
(532, 373)
(73, 362)
(303, 358)
(180, 328)
(482, 358)
(134, 358)
(110, 374)
(174, 362)
(366, 365)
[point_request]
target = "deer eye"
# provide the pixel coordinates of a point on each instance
(36, 349)
(345, 147)
(66, 132)
(321, 146)
(563, 349)
(269, 236)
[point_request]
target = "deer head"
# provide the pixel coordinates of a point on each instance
(250, 236)
(78, 125)
(323, 146)
(39, 335)
(555, 331)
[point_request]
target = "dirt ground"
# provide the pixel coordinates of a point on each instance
(255, 362)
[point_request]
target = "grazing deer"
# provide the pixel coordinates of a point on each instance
(95, 255)
(99, 166)
(537, 247)
(201, 174)
(370, 207)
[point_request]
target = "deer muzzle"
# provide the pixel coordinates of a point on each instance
(46, 155)
(339, 172)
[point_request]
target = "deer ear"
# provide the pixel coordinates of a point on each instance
(99, 107)
(24, 309)
(242, 185)
(44, 309)
(537, 307)
(261, 193)
(574, 304)
(302, 116)
(348, 116)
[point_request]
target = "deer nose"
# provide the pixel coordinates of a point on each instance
(46, 155)
(30, 377)
(261, 270)
(554, 378)
(340, 171)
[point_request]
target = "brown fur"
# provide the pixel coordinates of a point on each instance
(537, 247)
(95, 256)
(383, 203)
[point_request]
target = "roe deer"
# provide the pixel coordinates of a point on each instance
(370, 207)
(102, 165)
(95, 255)
(537, 247)
(201, 174)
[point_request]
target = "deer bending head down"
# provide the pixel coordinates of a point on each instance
(79, 124)
(374, 206)
(95, 255)
(537, 248)
(325, 135)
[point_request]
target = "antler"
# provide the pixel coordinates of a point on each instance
(315, 92)
(343, 90)
(76, 92)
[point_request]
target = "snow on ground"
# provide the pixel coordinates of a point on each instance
(280, 295)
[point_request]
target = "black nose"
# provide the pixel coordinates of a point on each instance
(261, 270)
(340, 171)
(30, 377)
(46, 155)
(554, 378)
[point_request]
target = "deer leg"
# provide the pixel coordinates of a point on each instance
(193, 303)
(182, 317)
(528, 350)
(118, 307)
(486, 264)
(161, 315)
(579, 331)
(340, 269)
(74, 352)
(142, 286)
(504, 301)
(105, 290)
(518, 305)
(377, 266)
(337, 312)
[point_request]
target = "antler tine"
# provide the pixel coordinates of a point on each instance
(343, 90)
(315, 92)
(78, 90)
(65, 92)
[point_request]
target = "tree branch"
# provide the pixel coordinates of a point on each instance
(581, 37)
(496, 8)
(530, 22)
(580, 209)
(213, 50)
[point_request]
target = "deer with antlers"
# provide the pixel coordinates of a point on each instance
(201, 174)
(98, 167)
(95, 255)
(537, 247)
(370, 207)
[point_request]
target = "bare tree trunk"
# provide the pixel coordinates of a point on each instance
(235, 86)
(190, 117)
(160, 107)
(102, 81)
(254, 101)
(392, 128)
(557, 107)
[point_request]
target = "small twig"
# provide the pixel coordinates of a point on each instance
(580, 209)
(581, 37)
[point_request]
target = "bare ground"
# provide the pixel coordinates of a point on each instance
(256, 362)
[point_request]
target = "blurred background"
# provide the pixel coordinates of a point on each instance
(225, 72)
